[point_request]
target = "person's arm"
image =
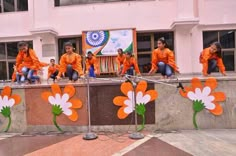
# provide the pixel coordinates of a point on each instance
(118, 63)
(171, 60)
(154, 62)
(62, 67)
(96, 69)
(136, 68)
(221, 66)
(36, 63)
(78, 65)
(204, 60)
(19, 59)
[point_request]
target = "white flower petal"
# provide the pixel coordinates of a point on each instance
(191, 95)
(5, 100)
(58, 99)
(65, 98)
(10, 102)
(209, 105)
(128, 110)
(198, 92)
(52, 100)
(139, 97)
(129, 103)
(67, 111)
(206, 91)
(142, 99)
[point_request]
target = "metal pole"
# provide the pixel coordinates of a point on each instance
(135, 135)
(89, 135)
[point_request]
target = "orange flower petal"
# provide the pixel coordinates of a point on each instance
(218, 109)
(196, 83)
(76, 103)
(119, 100)
(219, 96)
(153, 94)
(121, 114)
(185, 92)
(17, 98)
(69, 89)
(56, 89)
(142, 86)
(6, 91)
(45, 95)
(126, 87)
(74, 116)
(211, 82)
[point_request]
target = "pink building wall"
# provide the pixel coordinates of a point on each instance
(43, 23)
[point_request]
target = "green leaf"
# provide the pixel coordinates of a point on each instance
(140, 108)
(56, 109)
(198, 105)
(6, 111)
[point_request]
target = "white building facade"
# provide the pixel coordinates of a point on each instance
(187, 25)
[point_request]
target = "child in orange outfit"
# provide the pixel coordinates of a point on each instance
(91, 65)
(163, 60)
(53, 70)
(28, 61)
(130, 65)
(120, 60)
(70, 63)
(210, 58)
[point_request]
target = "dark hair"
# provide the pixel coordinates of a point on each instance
(129, 53)
(23, 43)
(52, 60)
(218, 47)
(120, 50)
(163, 41)
(89, 52)
(68, 44)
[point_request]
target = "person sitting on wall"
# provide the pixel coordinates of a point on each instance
(91, 65)
(70, 63)
(16, 75)
(163, 60)
(53, 70)
(28, 63)
(120, 59)
(210, 58)
(130, 65)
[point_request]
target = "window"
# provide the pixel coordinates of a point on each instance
(227, 40)
(146, 43)
(13, 5)
(76, 41)
(76, 2)
(8, 53)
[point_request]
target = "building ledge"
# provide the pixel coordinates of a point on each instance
(41, 31)
(185, 23)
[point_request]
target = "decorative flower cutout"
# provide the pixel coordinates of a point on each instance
(62, 102)
(6, 102)
(204, 97)
(127, 102)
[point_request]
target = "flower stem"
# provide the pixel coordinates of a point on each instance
(55, 123)
(143, 123)
(194, 120)
(9, 123)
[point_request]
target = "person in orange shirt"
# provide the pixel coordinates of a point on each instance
(163, 60)
(91, 65)
(28, 63)
(130, 65)
(210, 58)
(70, 63)
(53, 70)
(120, 59)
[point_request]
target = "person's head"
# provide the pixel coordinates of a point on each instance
(52, 61)
(128, 54)
(120, 51)
(161, 43)
(90, 55)
(216, 48)
(68, 47)
(23, 46)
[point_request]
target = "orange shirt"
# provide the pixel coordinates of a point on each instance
(166, 56)
(92, 61)
(52, 69)
(206, 55)
(128, 63)
(30, 61)
(120, 60)
(70, 59)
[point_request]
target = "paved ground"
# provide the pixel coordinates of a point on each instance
(197, 143)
